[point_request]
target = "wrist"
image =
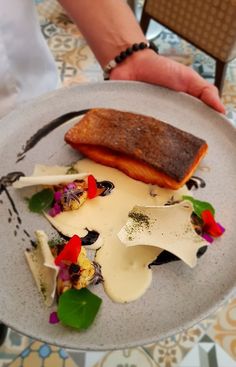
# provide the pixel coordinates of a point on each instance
(127, 63)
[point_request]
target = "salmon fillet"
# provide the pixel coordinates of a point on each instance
(143, 147)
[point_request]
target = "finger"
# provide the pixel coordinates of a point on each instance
(210, 96)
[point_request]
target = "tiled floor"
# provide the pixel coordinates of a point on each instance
(212, 342)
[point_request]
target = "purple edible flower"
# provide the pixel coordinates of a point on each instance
(56, 209)
(64, 272)
(207, 237)
(71, 186)
(221, 227)
(57, 196)
(53, 318)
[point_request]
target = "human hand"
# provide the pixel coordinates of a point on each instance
(147, 66)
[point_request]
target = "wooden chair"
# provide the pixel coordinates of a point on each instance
(209, 25)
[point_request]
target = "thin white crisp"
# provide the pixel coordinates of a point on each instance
(43, 268)
(166, 227)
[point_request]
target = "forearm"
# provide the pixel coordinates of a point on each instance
(109, 26)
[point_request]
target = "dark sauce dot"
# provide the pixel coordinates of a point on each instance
(33, 243)
(9, 220)
(90, 237)
(15, 233)
(108, 186)
(17, 226)
(19, 220)
(202, 251)
(195, 182)
(10, 212)
(74, 268)
(167, 257)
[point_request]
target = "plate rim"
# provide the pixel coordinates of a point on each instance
(230, 292)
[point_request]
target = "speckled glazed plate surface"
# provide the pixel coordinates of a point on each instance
(179, 296)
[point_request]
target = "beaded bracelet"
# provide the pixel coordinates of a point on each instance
(124, 54)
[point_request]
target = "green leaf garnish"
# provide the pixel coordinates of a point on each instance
(199, 206)
(41, 200)
(78, 308)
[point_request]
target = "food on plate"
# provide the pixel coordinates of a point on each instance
(62, 192)
(159, 220)
(168, 227)
(63, 268)
(144, 148)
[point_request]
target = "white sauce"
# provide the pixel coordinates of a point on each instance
(125, 271)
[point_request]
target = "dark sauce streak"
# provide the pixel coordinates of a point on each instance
(108, 186)
(166, 257)
(6, 181)
(87, 240)
(9, 179)
(26, 233)
(21, 158)
(196, 182)
(45, 130)
(90, 237)
(11, 201)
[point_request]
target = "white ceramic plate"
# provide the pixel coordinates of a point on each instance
(179, 296)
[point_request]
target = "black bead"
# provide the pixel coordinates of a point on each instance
(129, 51)
(123, 55)
(142, 46)
(135, 47)
(118, 59)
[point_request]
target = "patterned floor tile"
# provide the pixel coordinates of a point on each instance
(13, 345)
(135, 357)
(207, 354)
(86, 359)
(39, 354)
(223, 329)
(172, 350)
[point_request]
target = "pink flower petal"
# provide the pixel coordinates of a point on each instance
(71, 186)
(64, 272)
(53, 318)
(56, 209)
(221, 227)
(207, 237)
(57, 196)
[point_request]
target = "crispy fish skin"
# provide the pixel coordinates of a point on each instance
(143, 147)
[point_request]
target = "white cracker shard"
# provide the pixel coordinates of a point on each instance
(167, 227)
(43, 268)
